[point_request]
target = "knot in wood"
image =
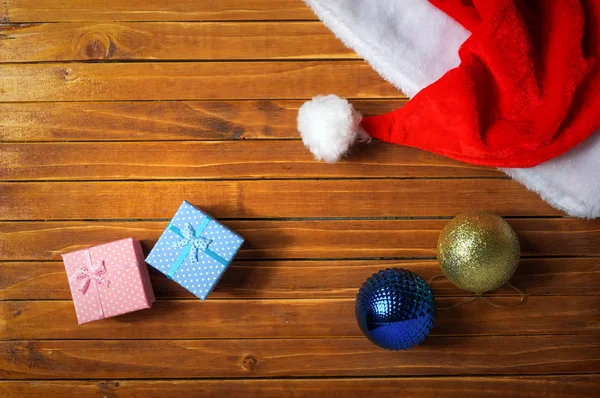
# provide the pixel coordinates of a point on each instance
(95, 45)
(66, 74)
(108, 385)
(249, 362)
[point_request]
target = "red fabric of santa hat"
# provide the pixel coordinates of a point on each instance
(527, 90)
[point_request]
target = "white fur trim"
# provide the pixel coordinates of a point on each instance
(570, 182)
(411, 44)
(329, 126)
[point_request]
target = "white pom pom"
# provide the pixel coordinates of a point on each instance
(329, 125)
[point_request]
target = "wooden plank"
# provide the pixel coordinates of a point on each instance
(160, 120)
(218, 160)
(300, 239)
(190, 81)
(152, 10)
(269, 199)
(169, 41)
(191, 319)
(561, 386)
(520, 355)
(311, 279)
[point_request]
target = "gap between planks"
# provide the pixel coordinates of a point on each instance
(46, 280)
(160, 120)
(190, 81)
(539, 237)
(297, 358)
(294, 318)
(27, 11)
(254, 198)
(219, 160)
(546, 386)
(170, 41)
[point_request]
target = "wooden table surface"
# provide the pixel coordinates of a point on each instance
(113, 112)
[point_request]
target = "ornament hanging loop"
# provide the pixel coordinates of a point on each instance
(498, 305)
(482, 297)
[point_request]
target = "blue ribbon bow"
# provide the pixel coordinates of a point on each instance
(196, 243)
(193, 242)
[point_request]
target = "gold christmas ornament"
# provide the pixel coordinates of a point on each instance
(478, 251)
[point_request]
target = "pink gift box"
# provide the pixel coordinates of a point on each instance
(108, 280)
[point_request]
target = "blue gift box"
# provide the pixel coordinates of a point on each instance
(194, 250)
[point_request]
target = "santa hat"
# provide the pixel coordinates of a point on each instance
(412, 43)
(527, 88)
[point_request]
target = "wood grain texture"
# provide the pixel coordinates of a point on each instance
(160, 120)
(304, 239)
(113, 112)
(269, 199)
(218, 160)
(563, 386)
(498, 355)
(217, 319)
(152, 10)
(169, 41)
(190, 81)
(311, 279)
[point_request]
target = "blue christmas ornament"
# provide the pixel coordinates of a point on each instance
(395, 309)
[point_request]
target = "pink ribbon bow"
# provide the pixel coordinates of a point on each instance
(84, 276)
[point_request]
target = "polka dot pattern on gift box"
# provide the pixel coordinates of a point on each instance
(124, 294)
(199, 278)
